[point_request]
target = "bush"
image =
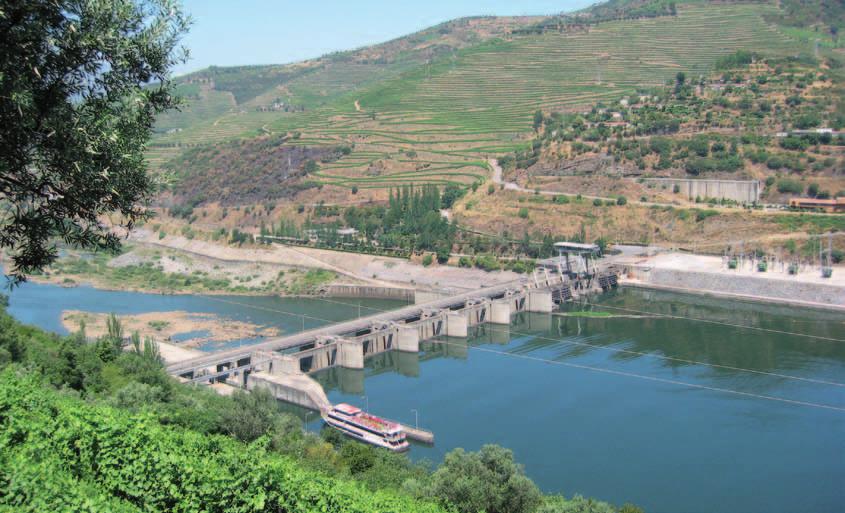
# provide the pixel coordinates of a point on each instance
(427, 260)
(789, 186)
(465, 262)
(487, 263)
(523, 213)
(488, 480)
(701, 215)
(597, 202)
(621, 200)
(775, 162)
(75, 456)
(311, 166)
(451, 194)
(794, 143)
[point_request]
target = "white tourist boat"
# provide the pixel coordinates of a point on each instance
(367, 428)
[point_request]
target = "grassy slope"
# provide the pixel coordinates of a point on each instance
(475, 100)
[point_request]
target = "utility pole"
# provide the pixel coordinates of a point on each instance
(416, 419)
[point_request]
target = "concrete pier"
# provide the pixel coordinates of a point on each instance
(408, 339)
(540, 301)
(351, 353)
(500, 311)
(456, 324)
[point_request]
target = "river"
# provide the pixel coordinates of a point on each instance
(712, 406)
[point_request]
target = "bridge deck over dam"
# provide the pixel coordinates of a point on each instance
(353, 326)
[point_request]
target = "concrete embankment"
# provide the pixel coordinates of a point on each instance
(708, 275)
(298, 389)
(370, 292)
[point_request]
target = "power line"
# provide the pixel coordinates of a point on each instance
(604, 370)
(653, 378)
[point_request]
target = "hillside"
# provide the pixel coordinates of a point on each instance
(435, 106)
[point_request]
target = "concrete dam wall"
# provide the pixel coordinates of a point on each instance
(741, 191)
(370, 291)
(777, 290)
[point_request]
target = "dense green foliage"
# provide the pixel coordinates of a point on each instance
(411, 222)
(76, 112)
(134, 463)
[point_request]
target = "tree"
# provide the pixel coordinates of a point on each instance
(252, 415)
(488, 480)
(538, 120)
(311, 166)
(80, 85)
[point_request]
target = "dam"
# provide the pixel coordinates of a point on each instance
(283, 364)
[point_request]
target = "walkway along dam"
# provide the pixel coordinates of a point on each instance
(282, 364)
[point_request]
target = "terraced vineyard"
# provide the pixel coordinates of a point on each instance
(437, 122)
(497, 86)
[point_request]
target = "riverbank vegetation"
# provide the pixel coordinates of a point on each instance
(88, 426)
(173, 272)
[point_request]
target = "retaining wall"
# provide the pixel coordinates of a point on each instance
(370, 291)
(298, 389)
(773, 289)
(742, 191)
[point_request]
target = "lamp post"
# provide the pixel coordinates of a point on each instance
(416, 419)
(306, 417)
(367, 402)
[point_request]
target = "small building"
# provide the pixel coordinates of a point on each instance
(347, 232)
(825, 205)
(574, 259)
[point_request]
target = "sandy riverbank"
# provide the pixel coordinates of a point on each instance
(351, 267)
(168, 326)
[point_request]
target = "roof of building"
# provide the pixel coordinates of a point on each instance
(576, 247)
(817, 201)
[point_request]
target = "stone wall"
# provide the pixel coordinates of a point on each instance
(742, 191)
